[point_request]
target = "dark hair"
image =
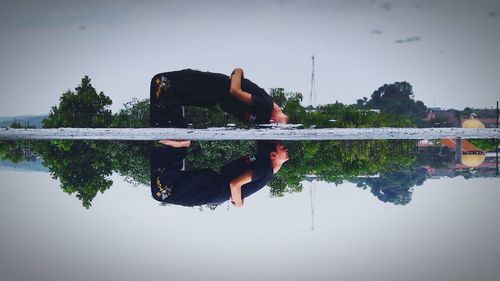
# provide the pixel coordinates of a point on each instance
(264, 147)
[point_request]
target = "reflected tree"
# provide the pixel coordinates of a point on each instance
(12, 151)
(337, 161)
(384, 166)
(396, 187)
(82, 168)
(130, 160)
(434, 156)
(212, 154)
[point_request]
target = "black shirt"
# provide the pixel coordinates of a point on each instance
(203, 186)
(262, 173)
(260, 110)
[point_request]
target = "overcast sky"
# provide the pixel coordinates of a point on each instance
(447, 49)
(47, 234)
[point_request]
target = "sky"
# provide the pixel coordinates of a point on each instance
(447, 49)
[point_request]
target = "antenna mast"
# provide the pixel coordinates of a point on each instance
(312, 196)
(312, 95)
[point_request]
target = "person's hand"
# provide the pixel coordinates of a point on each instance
(236, 204)
(237, 71)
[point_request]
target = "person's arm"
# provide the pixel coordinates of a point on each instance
(235, 187)
(235, 88)
(176, 143)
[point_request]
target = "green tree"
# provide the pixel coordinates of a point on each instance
(292, 107)
(130, 159)
(484, 144)
(336, 161)
(396, 99)
(200, 117)
(279, 96)
(467, 112)
(214, 154)
(84, 108)
(82, 167)
(12, 151)
(135, 114)
(396, 187)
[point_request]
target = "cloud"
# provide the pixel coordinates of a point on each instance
(386, 6)
(408, 40)
(493, 14)
(376, 31)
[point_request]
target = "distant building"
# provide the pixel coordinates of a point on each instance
(437, 117)
(472, 123)
(487, 122)
(471, 156)
(488, 117)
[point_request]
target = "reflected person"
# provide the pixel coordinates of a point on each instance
(236, 180)
(234, 94)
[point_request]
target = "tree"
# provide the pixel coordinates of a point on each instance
(135, 114)
(397, 99)
(336, 161)
(484, 144)
(467, 112)
(11, 151)
(82, 167)
(279, 96)
(362, 102)
(84, 108)
(396, 187)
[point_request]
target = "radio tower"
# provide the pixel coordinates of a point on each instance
(312, 196)
(312, 95)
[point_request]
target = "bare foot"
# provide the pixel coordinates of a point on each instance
(176, 143)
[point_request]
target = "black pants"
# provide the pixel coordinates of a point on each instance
(171, 185)
(170, 91)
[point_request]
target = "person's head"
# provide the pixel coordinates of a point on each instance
(277, 115)
(277, 152)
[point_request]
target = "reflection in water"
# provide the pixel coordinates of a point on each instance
(396, 188)
(389, 169)
(236, 180)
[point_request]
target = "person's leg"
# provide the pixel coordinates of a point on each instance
(166, 116)
(189, 87)
(166, 164)
(195, 187)
(169, 184)
(163, 115)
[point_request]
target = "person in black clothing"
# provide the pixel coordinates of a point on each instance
(235, 181)
(234, 94)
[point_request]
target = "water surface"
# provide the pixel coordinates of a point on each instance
(365, 211)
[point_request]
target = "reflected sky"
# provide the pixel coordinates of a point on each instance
(426, 221)
(448, 232)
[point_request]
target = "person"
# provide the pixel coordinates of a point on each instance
(234, 94)
(236, 180)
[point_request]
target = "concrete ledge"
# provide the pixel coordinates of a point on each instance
(245, 134)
